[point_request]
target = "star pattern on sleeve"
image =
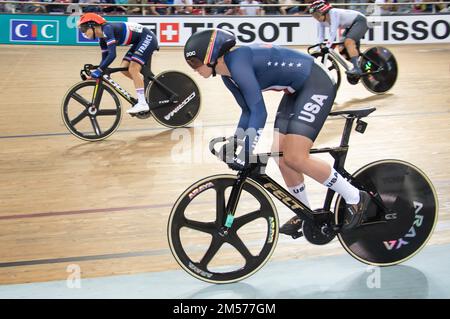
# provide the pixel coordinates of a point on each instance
(284, 64)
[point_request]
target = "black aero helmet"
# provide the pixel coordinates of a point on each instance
(205, 47)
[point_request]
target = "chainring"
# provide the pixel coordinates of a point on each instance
(313, 231)
(143, 115)
(353, 79)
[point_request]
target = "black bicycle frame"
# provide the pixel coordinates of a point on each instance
(342, 62)
(148, 75)
(256, 172)
(115, 86)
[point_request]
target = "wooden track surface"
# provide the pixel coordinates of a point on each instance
(104, 206)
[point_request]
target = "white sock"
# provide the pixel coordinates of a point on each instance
(141, 96)
(299, 192)
(341, 186)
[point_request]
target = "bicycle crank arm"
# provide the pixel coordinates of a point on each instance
(156, 105)
(376, 198)
(337, 229)
(174, 98)
(371, 73)
(160, 104)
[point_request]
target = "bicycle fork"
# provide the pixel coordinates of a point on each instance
(231, 206)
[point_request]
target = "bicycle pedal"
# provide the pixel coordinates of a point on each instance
(143, 115)
(352, 80)
(297, 235)
(293, 233)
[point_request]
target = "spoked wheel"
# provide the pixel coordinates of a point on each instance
(331, 65)
(194, 230)
(395, 237)
(178, 114)
(381, 62)
(87, 121)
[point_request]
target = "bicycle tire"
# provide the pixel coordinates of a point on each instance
(201, 269)
(333, 65)
(71, 123)
(408, 192)
(379, 83)
(178, 114)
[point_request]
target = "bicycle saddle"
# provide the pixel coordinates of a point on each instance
(356, 113)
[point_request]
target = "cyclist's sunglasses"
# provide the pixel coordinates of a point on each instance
(194, 62)
(317, 14)
(84, 28)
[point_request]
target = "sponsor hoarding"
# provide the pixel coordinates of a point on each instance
(298, 30)
(175, 30)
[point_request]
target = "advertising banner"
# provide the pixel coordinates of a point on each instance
(299, 30)
(175, 30)
(43, 29)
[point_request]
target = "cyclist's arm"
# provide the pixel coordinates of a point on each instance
(320, 32)
(245, 115)
(244, 75)
(334, 25)
(111, 44)
(104, 48)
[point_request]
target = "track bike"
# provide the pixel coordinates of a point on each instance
(378, 64)
(92, 111)
(224, 228)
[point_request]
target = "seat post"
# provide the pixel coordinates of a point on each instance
(347, 130)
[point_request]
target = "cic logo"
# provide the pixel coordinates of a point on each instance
(34, 30)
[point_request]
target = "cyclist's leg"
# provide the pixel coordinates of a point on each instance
(127, 59)
(291, 177)
(294, 181)
(126, 64)
(342, 50)
(352, 52)
(312, 107)
(295, 184)
(352, 37)
(144, 49)
(135, 71)
(141, 55)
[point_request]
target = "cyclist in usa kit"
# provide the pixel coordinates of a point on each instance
(143, 42)
(309, 94)
(354, 22)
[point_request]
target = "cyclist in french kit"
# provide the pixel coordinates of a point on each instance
(111, 34)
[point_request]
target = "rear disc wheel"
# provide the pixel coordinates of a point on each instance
(373, 60)
(179, 113)
(402, 232)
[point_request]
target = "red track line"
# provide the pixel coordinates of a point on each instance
(84, 211)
